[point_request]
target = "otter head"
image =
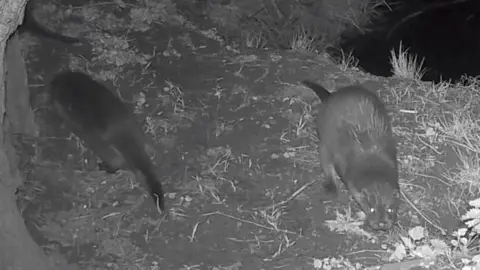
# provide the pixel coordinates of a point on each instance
(379, 200)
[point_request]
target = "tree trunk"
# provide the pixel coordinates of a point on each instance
(18, 251)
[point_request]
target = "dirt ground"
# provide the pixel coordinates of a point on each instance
(232, 136)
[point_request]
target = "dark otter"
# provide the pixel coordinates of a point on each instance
(30, 24)
(357, 146)
(106, 125)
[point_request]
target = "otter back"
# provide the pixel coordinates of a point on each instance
(357, 146)
(106, 125)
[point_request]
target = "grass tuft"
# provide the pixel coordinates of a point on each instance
(302, 41)
(406, 65)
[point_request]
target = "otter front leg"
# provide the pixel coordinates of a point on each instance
(111, 160)
(330, 182)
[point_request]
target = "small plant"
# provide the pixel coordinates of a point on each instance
(254, 39)
(460, 129)
(406, 65)
(418, 245)
(461, 252)
(349, 224)
(301, 41)
(347, 60)
(301, 120)
(176, 95)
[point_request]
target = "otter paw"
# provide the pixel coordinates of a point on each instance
(103, 166)
(330, 188)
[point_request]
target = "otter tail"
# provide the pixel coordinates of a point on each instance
(29, 23)
(321, 92)
(134, 153)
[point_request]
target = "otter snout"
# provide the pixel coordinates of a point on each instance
(380, 225)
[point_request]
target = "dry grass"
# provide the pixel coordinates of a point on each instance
(302, 41)
(345, 223)
(405, 65)
(345, 62)
(253, 39)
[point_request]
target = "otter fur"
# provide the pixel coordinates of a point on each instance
(106, 125)
(357, 146)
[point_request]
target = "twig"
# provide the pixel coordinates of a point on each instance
(194, 232)
(293, 196)
(429, 146)
(262, 76)
(247, 221)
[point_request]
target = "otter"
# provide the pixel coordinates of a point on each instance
(356, 145)
(30, 24)
(106, 125)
